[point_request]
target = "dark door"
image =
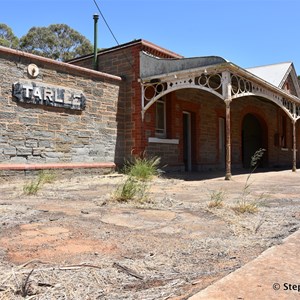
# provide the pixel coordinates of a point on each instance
(252, 139)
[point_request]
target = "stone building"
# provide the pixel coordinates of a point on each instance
(55, 115)
(202, 113)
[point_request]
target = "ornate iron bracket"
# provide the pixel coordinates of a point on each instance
(224, 84)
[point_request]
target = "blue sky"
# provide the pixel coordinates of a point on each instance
(247, 32)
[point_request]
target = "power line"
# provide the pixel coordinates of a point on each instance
(128, 60)
(106, 23)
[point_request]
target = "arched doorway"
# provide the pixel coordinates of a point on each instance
(252, 138)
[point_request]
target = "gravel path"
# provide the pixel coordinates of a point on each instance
(73, 241)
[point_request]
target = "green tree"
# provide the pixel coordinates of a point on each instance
(7, 37)
(57, 41)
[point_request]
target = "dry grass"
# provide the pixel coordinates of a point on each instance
(216, 199)
(35, 185)
(246, 207)
(45, 281)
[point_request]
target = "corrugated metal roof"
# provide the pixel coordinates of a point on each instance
(274, 74)
(151, 65)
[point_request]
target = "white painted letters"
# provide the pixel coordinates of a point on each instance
(27, 89)
(48, 95)
(37, 93)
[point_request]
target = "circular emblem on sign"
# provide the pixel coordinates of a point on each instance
(33, 70)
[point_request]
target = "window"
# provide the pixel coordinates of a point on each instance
(283, 142)
(160, 118)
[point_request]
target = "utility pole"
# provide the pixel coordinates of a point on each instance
(96, 18)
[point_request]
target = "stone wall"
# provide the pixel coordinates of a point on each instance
(40, 134)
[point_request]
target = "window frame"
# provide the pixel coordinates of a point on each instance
(161, 132)
(283, 136)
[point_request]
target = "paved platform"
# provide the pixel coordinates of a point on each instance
(275, 274)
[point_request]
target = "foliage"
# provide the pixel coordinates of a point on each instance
(216, 199)
(143, 168)
(139, 171)
(57, 41)
(35, 185)
(32, 187)
(47, 176)
(131, 189)
(244, 205)
(255, 159)
(7, 37)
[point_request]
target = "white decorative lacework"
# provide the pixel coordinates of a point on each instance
(225, 87)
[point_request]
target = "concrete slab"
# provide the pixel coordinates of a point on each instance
(275, 274)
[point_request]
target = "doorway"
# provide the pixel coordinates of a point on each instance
(187, 142)
(252, 138)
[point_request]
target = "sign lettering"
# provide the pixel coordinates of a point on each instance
(48, 95)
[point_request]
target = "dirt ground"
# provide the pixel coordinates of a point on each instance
(73, 241)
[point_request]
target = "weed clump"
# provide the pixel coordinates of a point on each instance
(244, 205)
(35, 185)
(139, 171)
(143, 168)
(216, 199)
(130, 189)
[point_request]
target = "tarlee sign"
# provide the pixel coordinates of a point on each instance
(43, 94)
